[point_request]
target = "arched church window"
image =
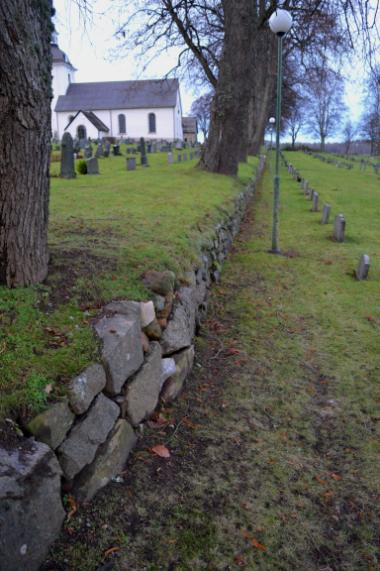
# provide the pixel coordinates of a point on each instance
(81, 132)
(122, 124)
(152, 122)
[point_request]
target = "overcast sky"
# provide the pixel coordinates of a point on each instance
(89, 45)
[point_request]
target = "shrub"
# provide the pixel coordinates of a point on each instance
(82, 167)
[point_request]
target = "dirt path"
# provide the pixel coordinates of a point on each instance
(267, 470)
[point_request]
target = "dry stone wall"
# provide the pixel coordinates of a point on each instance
(147, 353)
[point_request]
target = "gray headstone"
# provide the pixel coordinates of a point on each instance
(92, 165)
(326, 213)
(185, 156)
(67, 157)
(170, 158)
(116, 150)
(191, 156)
(179, 158)
(363, 268)
(107, 149)
(310, 194)
(143, 157)
(131, 164)
(87, 152)
(99, 151)
(314, 208)
(339, 228)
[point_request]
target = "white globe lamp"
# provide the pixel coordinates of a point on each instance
(280, 22)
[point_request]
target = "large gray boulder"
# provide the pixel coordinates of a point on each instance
(181, 327)
(80, 446)
(142, 392)
(84, 388)
(31, 512)
(184, 361)
(122, 351)
(52, 425)
(110, 460)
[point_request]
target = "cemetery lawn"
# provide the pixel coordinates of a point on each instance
(275, 450)
(104, 232)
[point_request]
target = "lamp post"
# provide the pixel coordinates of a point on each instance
(272, 121)
(280, 23)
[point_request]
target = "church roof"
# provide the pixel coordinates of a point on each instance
(94, 119)
(189, 125)
(59, 56)
(119, 95)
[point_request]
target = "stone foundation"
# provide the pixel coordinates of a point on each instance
(147, 353)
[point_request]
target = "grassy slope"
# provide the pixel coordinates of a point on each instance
(104, 232)
(275, 451)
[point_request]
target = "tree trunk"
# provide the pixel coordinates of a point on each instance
(323, 144)
(225, 143)
(25, 94)
(263, 87)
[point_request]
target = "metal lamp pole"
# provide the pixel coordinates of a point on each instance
(280, 23)
(272, 121)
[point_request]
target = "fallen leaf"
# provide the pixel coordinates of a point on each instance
(258, 545)
(240, 561)
(161, 451)
(73, 507)
(111, 551)
(336, 477)
(320, 480)
(48, 389)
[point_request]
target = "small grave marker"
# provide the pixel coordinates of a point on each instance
(339, 228)
(92, 165)
(131, 163)
(67, 157)
(314, 208)
(326, 213)
(363, 268)
(170, 158)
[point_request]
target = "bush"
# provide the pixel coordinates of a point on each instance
(82, 167)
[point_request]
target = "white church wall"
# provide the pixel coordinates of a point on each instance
(60, 83)
(91, 130)
(137, 123)
(178, 118)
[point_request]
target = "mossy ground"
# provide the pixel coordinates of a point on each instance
(275, 442)
(105, 231)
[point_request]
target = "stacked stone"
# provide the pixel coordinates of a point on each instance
(147, 353)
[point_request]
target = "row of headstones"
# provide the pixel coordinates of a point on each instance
(184, 156)
(363, 163)
(330, 160)
(339, 228)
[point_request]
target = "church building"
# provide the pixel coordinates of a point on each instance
(122, 109)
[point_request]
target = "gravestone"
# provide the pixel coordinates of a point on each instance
(92, 165)
(363, 268)
(179, 158)
(339, 228)
(77, 146)
(314, 208)
(170, 158)
(143, 157)
(67, 157)
(149, 147)
(83, 143)
(131, 163)
(310, 193)
(191, 156)
(87, 152)
(107, 149)
(116, 150)
(99, 151)
(326, 213)
(185, 156)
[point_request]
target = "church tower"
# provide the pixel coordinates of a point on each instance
(63, 74)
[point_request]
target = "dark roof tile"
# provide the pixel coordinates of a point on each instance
(119, 95)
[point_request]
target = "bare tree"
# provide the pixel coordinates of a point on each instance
(324, 94)
(349, 132)
(201, 109)
(370, 121)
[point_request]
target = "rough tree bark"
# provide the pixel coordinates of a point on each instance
(25, 94)
(228, 135)
(263, 88)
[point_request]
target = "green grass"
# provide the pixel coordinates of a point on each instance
(284, 449)
(104, 232)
